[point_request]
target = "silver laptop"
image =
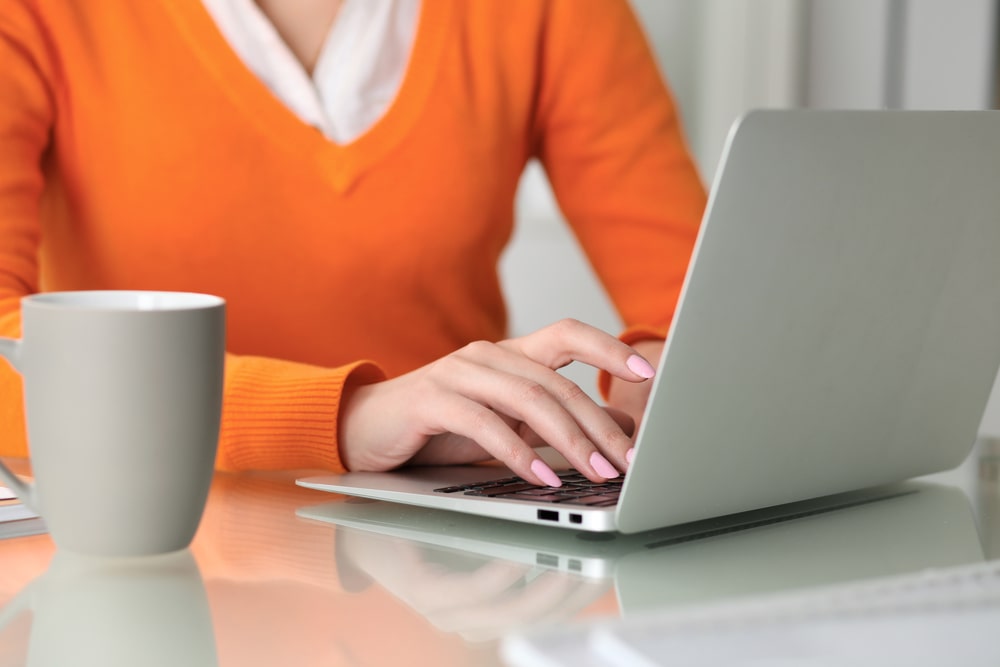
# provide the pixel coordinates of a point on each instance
(839, 328)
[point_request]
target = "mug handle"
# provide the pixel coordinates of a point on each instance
(10, 350)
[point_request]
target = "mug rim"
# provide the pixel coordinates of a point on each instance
(123, 300)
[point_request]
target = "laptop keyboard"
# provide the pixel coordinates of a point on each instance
(576, 490)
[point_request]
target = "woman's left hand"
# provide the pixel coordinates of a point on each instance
(631, 397)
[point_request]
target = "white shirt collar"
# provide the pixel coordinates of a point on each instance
(360, 67)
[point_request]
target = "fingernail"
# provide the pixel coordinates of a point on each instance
(640, 366)
(629, 455)
(545, 473)
(602, 466)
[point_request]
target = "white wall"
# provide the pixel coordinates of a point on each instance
(908, 54)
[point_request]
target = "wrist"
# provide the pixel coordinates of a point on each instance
(350, 413)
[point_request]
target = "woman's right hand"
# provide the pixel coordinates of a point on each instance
(498, 400)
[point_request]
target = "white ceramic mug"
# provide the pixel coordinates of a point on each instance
(123, 398)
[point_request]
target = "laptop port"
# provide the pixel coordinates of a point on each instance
(548, 515)
(548, 560)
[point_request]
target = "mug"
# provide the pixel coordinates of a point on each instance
(123, 399)
(116, 612)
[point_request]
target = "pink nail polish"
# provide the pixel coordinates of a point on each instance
(602, 466)
(640, 366)
(629, 455)
(545, 473)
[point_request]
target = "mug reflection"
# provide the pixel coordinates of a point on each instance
(117, 612)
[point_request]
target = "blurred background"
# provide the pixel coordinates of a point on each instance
(724, 57)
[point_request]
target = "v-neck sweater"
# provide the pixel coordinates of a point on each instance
(137, 151)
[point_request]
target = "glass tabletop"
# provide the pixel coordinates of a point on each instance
(279, 574)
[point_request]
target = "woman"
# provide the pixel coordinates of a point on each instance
(343, 174)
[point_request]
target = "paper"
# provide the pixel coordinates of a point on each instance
(16, 519)
(12, 509)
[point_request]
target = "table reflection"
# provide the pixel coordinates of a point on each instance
(278, 596)
(483, 578)
(117, 613)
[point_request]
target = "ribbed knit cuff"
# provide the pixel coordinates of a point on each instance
(282, 415)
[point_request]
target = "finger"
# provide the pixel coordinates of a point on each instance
(552, 407)
(449, 590)
(624, 420)
(542, 599)
(570, 340)
(469, 417)
(452, 449)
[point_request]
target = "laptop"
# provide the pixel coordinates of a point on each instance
(838, 329)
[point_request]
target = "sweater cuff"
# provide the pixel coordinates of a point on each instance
(282, 415)
(630, 336)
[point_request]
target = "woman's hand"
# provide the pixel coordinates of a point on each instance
(478, 597)
(631, 397)
(498, 400)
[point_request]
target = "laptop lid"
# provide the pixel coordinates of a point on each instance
(839, 326)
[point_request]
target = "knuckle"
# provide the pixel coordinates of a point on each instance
(567, 326)
(568, 391)
(484, 422)
(438, 373)
(615, 436)
(477, 349)
(517, 458)
(579, 444)
(532, 392)
(458, 362)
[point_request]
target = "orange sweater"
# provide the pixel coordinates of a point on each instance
(138, 152)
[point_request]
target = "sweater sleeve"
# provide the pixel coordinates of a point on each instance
(277, 414)
(280, 414)
(609, 137)
(26, 116)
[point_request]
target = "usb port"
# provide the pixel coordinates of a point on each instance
(547, 560)
(548, 515)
